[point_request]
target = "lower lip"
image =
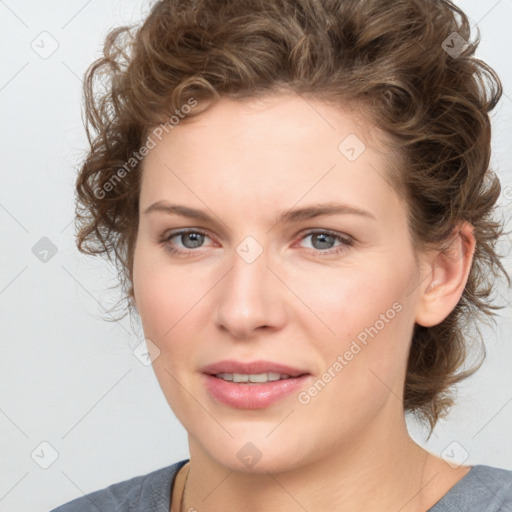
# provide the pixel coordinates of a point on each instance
(252, 396)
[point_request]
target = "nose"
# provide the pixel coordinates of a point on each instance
(250, 299)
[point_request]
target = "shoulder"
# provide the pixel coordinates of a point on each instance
(144, 492)
(483, 488)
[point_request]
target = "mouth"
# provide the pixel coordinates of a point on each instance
(254, 369)
(253, 385)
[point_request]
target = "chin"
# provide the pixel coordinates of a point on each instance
(257, 455)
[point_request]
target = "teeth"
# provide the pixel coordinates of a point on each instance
(253, 378)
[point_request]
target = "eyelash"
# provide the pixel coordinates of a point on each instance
(346, 242)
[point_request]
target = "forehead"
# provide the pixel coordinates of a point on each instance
(272, 152)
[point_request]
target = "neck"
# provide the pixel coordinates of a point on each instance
(374, 471)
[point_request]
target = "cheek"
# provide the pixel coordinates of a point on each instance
(362, 324)
(165, 299)
(343, 302)
(165, 303)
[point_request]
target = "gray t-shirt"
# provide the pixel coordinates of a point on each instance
(482, 489)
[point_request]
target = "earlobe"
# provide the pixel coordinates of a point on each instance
(445, 278)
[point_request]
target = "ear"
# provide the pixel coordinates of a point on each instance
(446, 272)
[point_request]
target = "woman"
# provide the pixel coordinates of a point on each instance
(298, 197)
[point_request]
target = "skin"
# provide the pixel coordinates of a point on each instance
(298, 303)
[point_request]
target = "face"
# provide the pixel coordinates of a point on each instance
(254, 270)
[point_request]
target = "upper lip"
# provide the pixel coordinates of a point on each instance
(251, 367)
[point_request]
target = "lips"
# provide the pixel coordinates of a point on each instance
(252, 367)
(252, 395)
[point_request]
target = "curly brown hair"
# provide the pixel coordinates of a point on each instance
(410, 63)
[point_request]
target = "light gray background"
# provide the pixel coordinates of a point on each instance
(69, 378)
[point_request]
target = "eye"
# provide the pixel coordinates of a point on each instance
(190, 239)
(323, 241)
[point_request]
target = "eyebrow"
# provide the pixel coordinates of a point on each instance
(290, 216)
